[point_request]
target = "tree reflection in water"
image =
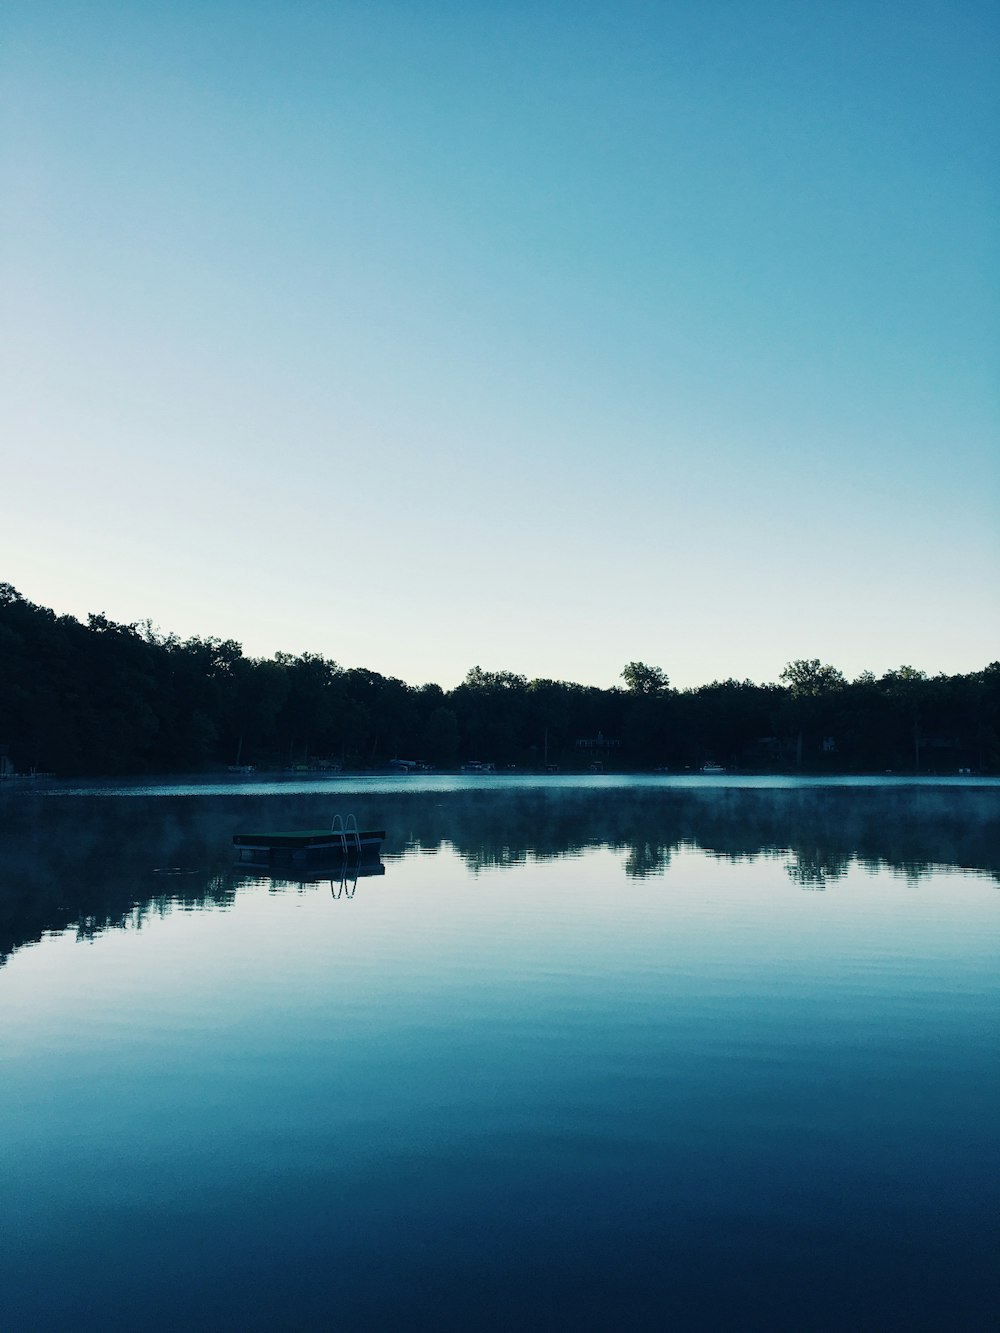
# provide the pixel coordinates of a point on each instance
(91, 863)
(816, 867)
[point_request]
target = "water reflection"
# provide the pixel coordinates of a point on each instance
(91, 863)
(342, 876)
(816, 867)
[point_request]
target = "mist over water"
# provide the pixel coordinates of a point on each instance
(586, 1054)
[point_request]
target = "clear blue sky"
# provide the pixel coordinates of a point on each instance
(543, 336)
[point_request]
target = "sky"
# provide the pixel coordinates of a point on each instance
(543, 336)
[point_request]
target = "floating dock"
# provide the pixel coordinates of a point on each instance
(342, 843)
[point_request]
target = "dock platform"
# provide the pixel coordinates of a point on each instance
(290, 846)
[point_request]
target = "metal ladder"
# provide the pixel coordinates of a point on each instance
(346, 832)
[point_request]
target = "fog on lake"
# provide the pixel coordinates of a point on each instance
(580, 1053)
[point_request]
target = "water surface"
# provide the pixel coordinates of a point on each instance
(595, 1054)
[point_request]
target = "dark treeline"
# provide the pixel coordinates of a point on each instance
(105, 698)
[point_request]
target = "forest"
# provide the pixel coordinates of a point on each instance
(101, 698)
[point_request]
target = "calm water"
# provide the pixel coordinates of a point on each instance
(597, 1055)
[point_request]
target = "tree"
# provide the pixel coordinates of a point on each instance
(441, 738)
(492, 708)
(642, 679)
(809, 678)
(905, 686)
(810, 682)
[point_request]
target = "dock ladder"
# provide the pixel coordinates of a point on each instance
(349, 834)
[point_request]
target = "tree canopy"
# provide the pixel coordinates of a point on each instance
(642, 679)
(106, 698)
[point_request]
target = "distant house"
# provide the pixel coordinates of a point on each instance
(598, 742)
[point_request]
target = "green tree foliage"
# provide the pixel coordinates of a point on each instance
(809, 678)
(101, 697)
(642, 679)
(810, 686)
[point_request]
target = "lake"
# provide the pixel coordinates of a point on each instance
(591, 1053)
